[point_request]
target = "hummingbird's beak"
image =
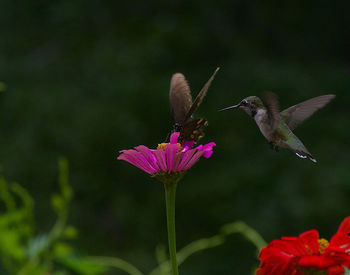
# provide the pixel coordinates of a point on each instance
(231, 107)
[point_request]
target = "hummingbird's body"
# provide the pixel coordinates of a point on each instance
(277, 127)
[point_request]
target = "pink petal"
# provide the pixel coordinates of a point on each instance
(170, 152)
(160, 156)
(199, 147)
(207, 154)
(186, 156)
(208, 149)
(136, 159)
(210, 144)
(173, 138)
(193, 160)
(177, 159)
(147, 153)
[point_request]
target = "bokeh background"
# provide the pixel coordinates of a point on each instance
(85, 79)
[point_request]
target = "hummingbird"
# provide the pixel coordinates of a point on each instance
(277, 126)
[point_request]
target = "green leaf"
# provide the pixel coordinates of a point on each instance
(70, 232)
(60, 272)
(187, 251)
(27, 200)
(62, 250)
(6, 196)
(3, 86)
(38, 244)
(161, 254)
(12, 218)
(248, 232)
(63, 179)
(82, 265)
(11, 245)
(58, 204)
(28, 206)
(116, 263)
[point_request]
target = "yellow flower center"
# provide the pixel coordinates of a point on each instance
(322, 245)
(162, 146)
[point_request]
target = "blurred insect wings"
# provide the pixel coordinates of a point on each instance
(182, 107)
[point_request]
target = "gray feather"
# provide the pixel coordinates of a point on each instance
(296, 114)
(272, 106)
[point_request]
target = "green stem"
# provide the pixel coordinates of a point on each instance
(170, 191)
(117, 263)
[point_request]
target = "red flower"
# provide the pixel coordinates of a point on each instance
(307, 254)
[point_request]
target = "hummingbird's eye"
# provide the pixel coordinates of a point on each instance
(244, 102)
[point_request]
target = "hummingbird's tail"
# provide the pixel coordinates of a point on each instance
(304, 155)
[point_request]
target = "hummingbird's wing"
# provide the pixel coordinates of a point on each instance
(180, 98)
(200, 96)
(296, 114)
(272, 106)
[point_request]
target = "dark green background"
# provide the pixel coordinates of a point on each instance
(86, 79)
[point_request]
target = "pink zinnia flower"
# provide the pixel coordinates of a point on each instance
(168, 163)
(168, 158)
(307, 254)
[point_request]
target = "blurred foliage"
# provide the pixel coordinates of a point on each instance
(207, 243)
(85, 79)
(23, 251)
(2, 86)
(164, 267)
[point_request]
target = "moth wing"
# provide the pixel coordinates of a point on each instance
(193, 130)
(180, 98)
(200, 96)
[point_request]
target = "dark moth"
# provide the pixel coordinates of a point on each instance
(182, 108)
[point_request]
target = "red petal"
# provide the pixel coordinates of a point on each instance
(310, 261)
(292, 245)
(328, 261)
(310, 238)
(344, 226)
(336, 270)
(340, 240)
